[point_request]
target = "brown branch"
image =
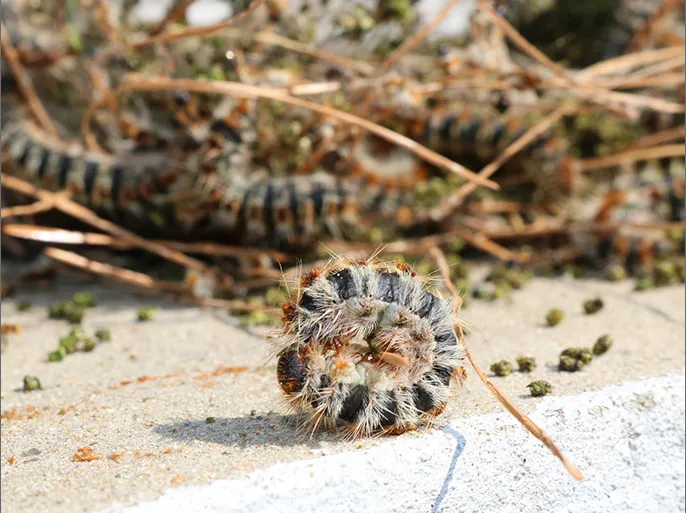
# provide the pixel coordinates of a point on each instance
(70, 207)
(136, 83)
(59, 236)
(172, 15)
(25, 86)
(110, 271)
(25, 210)
(524, 420)
(625, 157)
(661, 137)
(625, 62)
(442, 264)
(182, 34)
(416, 39)
(448, 205)
(523, 44)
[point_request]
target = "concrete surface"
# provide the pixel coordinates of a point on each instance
(628, 438)
(140, 404)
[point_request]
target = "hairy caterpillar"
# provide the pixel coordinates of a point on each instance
(481, 137)
(198, 196)
(368, 344)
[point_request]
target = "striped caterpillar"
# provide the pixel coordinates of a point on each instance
(367, 343)
(198, 196)
(472, 136)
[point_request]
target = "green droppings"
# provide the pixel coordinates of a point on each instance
(664, 273)
(103, 335)
(526, 363)
(88, 345)
(145, 314)
(554, 317)
(57, 355)
(569, 364)
(644, 283)
(24, 306)
(74, 315)
(58, 310)
(502, 368)
(85, 300)
(592, 306)
(540, 388)
(580, 353)
(485, 293)
(74, 39)
(602, 345)
(210, 420)
(31, 383)
(616, 273)
(69, 343)
(77, 333)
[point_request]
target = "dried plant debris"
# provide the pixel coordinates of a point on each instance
(502, 368)
(602, 345)
(554, 317)
(593, 306)
(84, 455)
(32, 383)
(539, 388)
(526, 363)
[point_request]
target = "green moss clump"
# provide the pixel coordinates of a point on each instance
(539, 388)
(602, 345)
(526, 363)
(592, 306)
(502, 368)
(554, 317)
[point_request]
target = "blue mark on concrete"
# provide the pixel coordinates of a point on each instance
(461, 442)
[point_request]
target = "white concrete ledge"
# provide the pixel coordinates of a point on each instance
(627, 439)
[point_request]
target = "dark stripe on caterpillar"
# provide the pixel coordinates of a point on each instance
(116, 184)
(89, 176)
(64, 167)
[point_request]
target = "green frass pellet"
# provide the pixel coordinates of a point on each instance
(58, 309)
(526, 363)
(583, 354)
(210, 420)
(69, 343)
(616, 273)
(502, 368)
(664, 273)
(31, 383)
(592, 306)
(602, 345)
(74, 315)
(88, 345)
(539, 388)
(644, 283)
(145, 314)
(77, 333)
(24, 306)
(569, 364)
(57, 355)
(103, 335)
(84, 300)
(554, 317)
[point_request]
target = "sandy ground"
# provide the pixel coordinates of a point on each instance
(140, 402)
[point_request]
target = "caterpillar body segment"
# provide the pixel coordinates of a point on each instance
(367, 344)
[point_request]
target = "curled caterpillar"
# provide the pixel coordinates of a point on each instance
(367, 343)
